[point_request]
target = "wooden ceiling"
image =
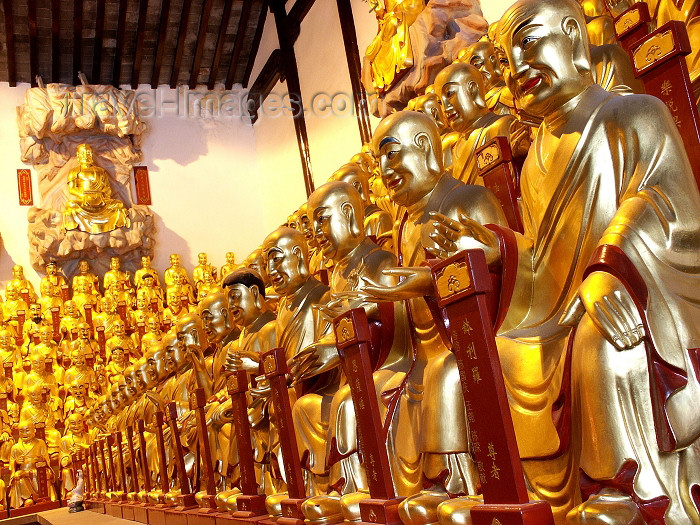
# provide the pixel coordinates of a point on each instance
(118, 42)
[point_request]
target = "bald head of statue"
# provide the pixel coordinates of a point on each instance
(546, 44)
(337, 211)
(357, 177)
(483, 56)
(461, 89)
(286, 259)
(408, 147)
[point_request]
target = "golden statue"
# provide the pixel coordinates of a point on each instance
(12, 305)
(24, 456)
(34, 322)
(37, 410)
(599, 24)
(408, 147)
(115, 275)
(84, 274)
(72, 317)
(203, 267)
(20, 282)
(91, 207)
(585, 256)
(76, 439)
(462, 91)
(390, 52)
(107, 316)
(174, 308)
(52, 282)
(9, 353)
(120, 339)
(337, 210)
(78, 400)
(174, 269)
(83, 296)
(230, 265)
(484, 57)
(146, 268)
(377, 222)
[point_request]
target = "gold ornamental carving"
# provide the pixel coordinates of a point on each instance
(626, 21)
(653, 50)
(345, 331)
(454, 278)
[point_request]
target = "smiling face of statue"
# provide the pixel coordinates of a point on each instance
(114, 263)
(119, 328)
(11, 293)
(71, 309)
(202, 258)
(483, 56)
(286, 256)
(83, 267)
(155, 363)
(141, 302)
(461, 90)
(129, 389)
(174, 302)
(230, 258)
(76, 424)
(409, 150)
(214, 312)
(246, 293)
(35, 312)
(153, 325)
(306, 227)
(51, 269)
(37, 363)
(5, 339)
(145, 261)
(338, 214)
(17, 272)
(190, 335)
(356, 177)
(35, 395)
(27, 431)
(84, 331)
(546, 45)
(117, 355)
(77, 358)
(45, 335)
(172, 355)
(174, 260)
(139, 375)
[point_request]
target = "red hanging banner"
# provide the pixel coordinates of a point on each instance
(24, 187)
(143, 186)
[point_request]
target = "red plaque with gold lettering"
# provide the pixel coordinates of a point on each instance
(460, 284)
(494, 161)
(143, 185)
(659, 61)
(274, 365)
(352, 336)
(24, 187)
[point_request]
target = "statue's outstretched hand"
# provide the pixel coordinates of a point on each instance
(611, 307)
(414, 282)
(451, 236)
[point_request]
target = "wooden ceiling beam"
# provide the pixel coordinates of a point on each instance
(256, 43)
(55, 40)
(270, 74)
(119, 51)
(182, 33)
(160, 45)
(77, 39)
(238, 45)
(201, 40)
(138, 53)
(10, 43)
(225, 18)
(33, 51)
(98, 44)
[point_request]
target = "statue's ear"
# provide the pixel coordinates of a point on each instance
(422, 140)
(256, 295)
(349, 212)
(579, 43)
(301, 263)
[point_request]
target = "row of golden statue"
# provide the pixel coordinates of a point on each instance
(579, 267)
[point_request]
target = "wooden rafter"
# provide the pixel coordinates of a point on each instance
(33, 51)
(10, 43)
(238, 45)
(225, 17)
(55, 40)
(97, 48)
(77, 39)
(160, 44)
(138, 54)
(256, 43)
(119, 51)
(201, 40)
(182, 33)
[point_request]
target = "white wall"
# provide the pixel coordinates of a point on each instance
(203, 174)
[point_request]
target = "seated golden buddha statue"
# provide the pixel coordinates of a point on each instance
(484, 56)
(24, 456)
(36, 409)
(84, 274)
(230, 265)
(174, 269)
(146, 268)
(13, 305)
(75, 440)
(91, 207)
(199, 270)
(21, 282)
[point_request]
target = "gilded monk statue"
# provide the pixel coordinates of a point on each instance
(602, 311)
(91, 207)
